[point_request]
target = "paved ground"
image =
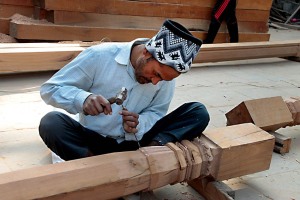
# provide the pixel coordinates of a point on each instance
(220, 86)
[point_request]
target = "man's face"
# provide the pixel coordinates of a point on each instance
(149, 70)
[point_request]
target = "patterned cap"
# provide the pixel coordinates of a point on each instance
(174, 46)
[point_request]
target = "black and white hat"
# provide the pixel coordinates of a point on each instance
(174, 46)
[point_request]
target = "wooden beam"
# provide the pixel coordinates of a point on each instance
(36, 59)
(119, 7)
(43, 45)
(118, 174)
(21, 30)
(282, 143)
(48, 31)
(212, 190)
(154, 7)
(4, 25)
(247, 50)
(142, 22)
(28, 57)
(76, 18)
(7, 11)
(269, 114)
(17, 2)
(233, 143)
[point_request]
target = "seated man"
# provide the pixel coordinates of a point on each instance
(147, 69)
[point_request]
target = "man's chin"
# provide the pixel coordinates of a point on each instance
(143, 80)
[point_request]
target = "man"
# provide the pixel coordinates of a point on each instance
(223, 9)
(147, 69)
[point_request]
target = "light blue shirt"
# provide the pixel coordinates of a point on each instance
(104, 69)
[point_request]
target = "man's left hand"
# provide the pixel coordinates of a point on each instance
(130, 121)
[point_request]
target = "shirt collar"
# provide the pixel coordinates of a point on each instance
(123, 56)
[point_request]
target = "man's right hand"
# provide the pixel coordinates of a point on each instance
(96, 104)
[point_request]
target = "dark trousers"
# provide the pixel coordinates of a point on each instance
(70, 140)
(223, 10)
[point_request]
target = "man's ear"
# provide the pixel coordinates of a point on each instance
(146, 53)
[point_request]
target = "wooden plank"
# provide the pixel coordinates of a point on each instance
(248, 15)
(6, 11)
(154, 9)
(255, 4)
(282, 143)
(247, 50)
(243, 37)
(89, 178)
(117, 6)
(17, 2)
(34, 31)
(36, 59)
(28, 57)
(59, 32)
(68, 17)
(269, 114)
(4, 25)
(128, 21)
(212, 190)
(118, 174)
(45, 45)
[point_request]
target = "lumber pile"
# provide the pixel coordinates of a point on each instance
(124, 20)
(221, 153)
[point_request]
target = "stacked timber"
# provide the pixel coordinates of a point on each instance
(124, 20)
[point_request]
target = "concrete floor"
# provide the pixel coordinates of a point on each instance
(220, 86)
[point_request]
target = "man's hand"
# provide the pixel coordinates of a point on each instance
(96, 104)
(130, 121)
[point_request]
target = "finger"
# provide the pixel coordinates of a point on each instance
(105, 105)
(96, 107)
(134, 130)
(130, 129)
(126, 113)
(131, 124)
(89, 109)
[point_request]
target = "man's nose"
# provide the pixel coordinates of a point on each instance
(155, 80)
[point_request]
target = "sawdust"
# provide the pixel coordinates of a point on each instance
(7, 39)
(27, 20)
